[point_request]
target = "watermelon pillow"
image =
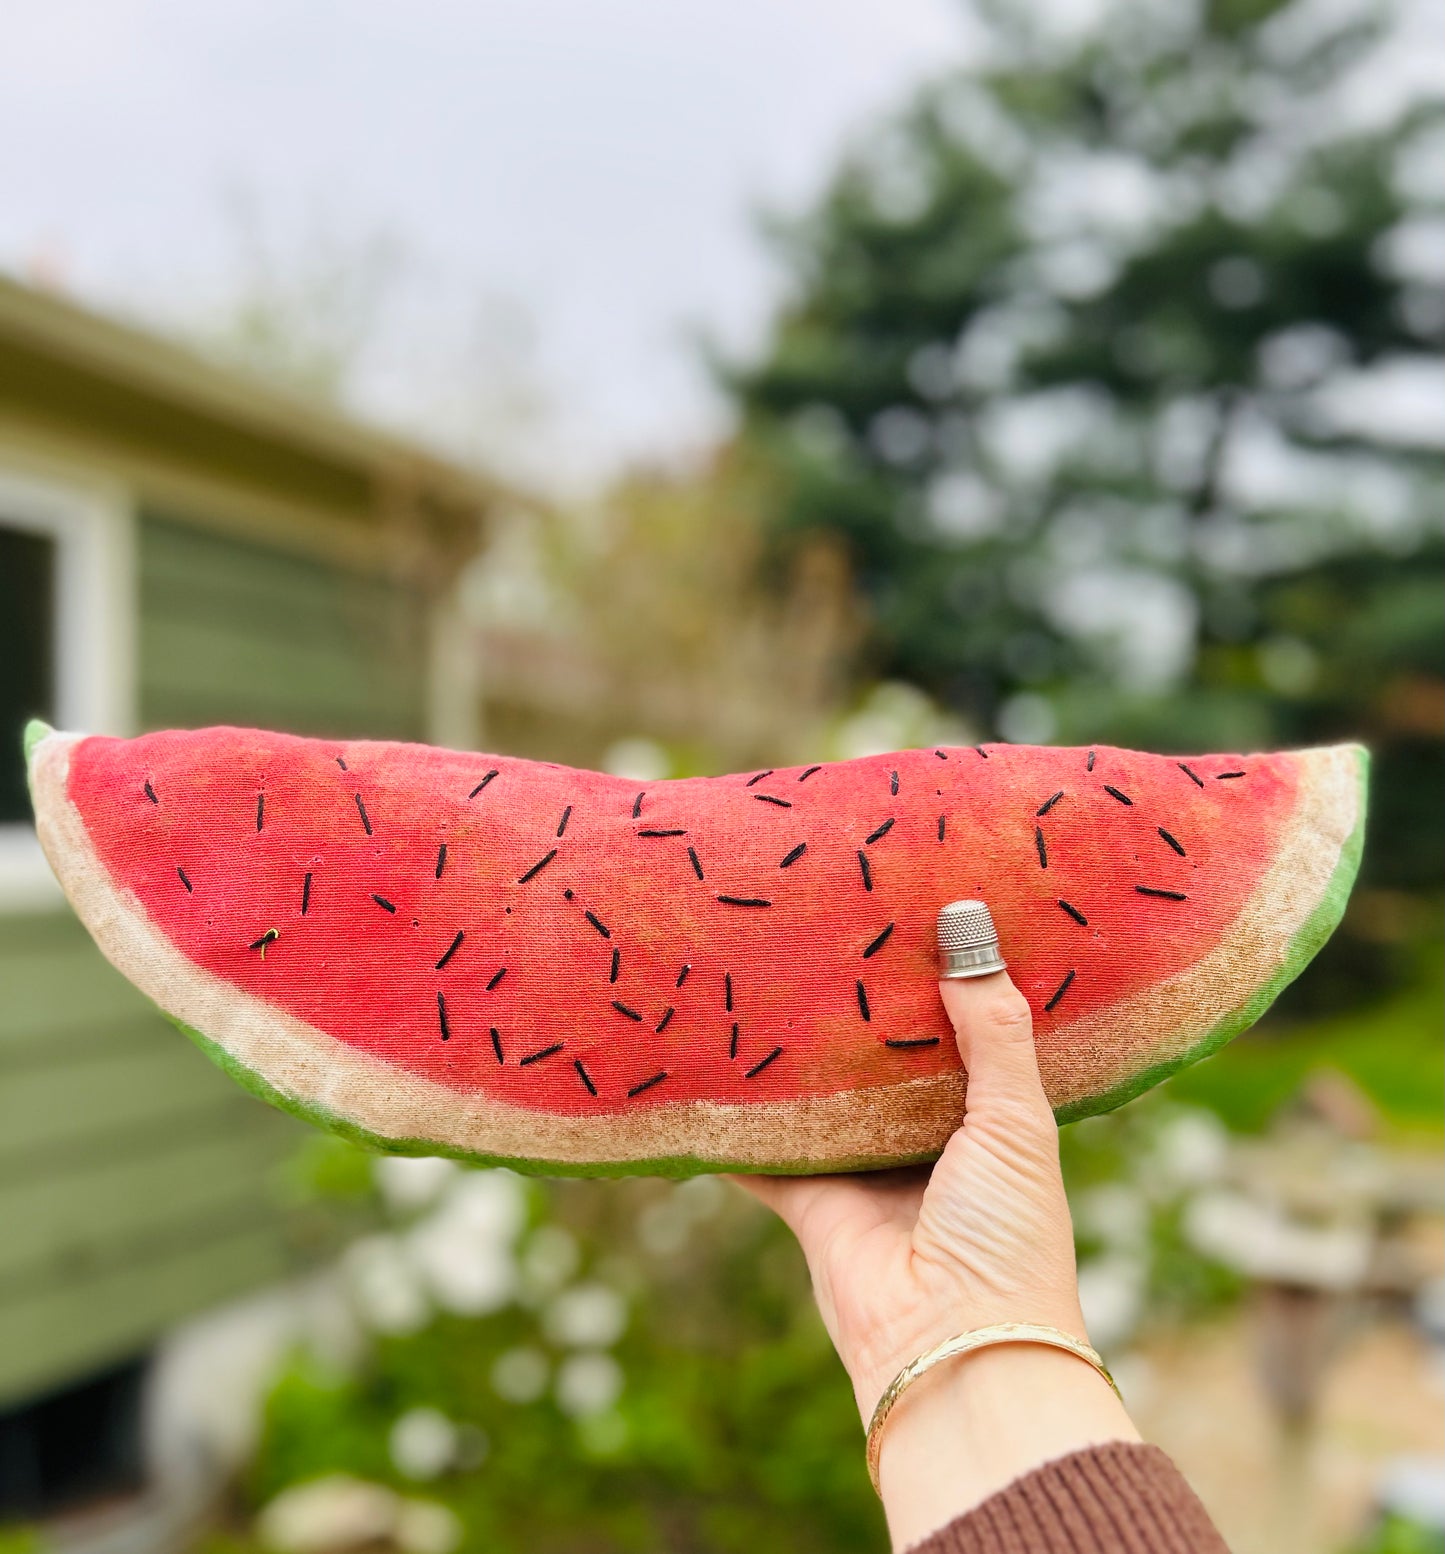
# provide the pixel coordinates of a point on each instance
(557, 970)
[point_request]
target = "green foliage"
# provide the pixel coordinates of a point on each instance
(1396, 1535)
(735, 1430)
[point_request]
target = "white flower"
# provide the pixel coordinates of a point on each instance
(412, 1182)
(423, 1527)
(586, 1316)
(1259, 1240)
(588, 1384)
(467, 1276)
(550, 1258)
(1116, 1213)
(464, 1246)
(491, 1204)
(423, 1443)
(664, 1227)
(333, 1513)
(1111, 1293)
(386, 1285)
(701, 1196)
(1190, 1149)
(520, 1375)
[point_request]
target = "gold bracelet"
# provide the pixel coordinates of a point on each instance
(966, 1343)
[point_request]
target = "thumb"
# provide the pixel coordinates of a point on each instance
(994, 1027)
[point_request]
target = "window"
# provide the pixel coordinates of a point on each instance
(72, 1448)
(27, 655)
(66, 631)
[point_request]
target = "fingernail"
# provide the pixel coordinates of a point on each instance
(967, 941)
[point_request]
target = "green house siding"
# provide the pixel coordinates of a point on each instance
(137, 1183)
(233, 632)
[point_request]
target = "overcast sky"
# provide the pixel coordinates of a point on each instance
(597, 161)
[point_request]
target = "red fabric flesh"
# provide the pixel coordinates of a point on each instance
(369, 977)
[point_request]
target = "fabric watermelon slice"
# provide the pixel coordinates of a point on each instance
(563, 971)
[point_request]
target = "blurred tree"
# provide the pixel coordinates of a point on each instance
(1107, 361)
(639, 613)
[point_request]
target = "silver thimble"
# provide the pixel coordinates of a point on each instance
(967, 941)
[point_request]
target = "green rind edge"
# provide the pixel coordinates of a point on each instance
(676, 1166)
(1303, 948)
(35, 730)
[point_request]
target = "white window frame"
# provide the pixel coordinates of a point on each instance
(96, 606)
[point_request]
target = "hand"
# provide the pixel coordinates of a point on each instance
(901, 1260)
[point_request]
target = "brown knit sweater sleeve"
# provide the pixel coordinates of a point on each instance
(1114, 1499)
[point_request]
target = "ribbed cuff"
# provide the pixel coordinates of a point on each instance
(1121, 1498)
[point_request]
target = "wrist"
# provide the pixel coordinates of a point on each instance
(967, 1429)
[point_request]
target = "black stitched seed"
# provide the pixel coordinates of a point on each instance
(342, 764)
(537, 867)
(762, 1063)
(1059, 991)
(981, 751)
(941, 756)
(728, 991)
(682, 976)
(867, 872)
(662, 1024)
(792, 857)
(942, 826)
(692, 858)
(382, 902)
(1225, 776)
(882, 830)
(567, 894)
(647, 1084)
(1191, 774)
(733, 1041)
(497, 1044)
(598, 924)
(269, 937)
(616, 969)
(442, 1016)
(1048, 804)
(621, 1008)
(767, 798)
(1167, 895)
(878, 943)
(911, 1041)
(150, 793)
(753, 780)
(1074, 912)
(441, 859)
(1042, 847)
(189, 886)
(637, 804)
(482, 784)
(584, 1076)
(496, 977)
(863, 1000)
(1173, 842)
(1114, 793)
(804, 776)
(456, 944)
(662, 833)
(748, 901)
(1089, 764)
(536, 1057)
(562, 823)
(260, 810)
(893, 783)
(305, 895)
(365, 818)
